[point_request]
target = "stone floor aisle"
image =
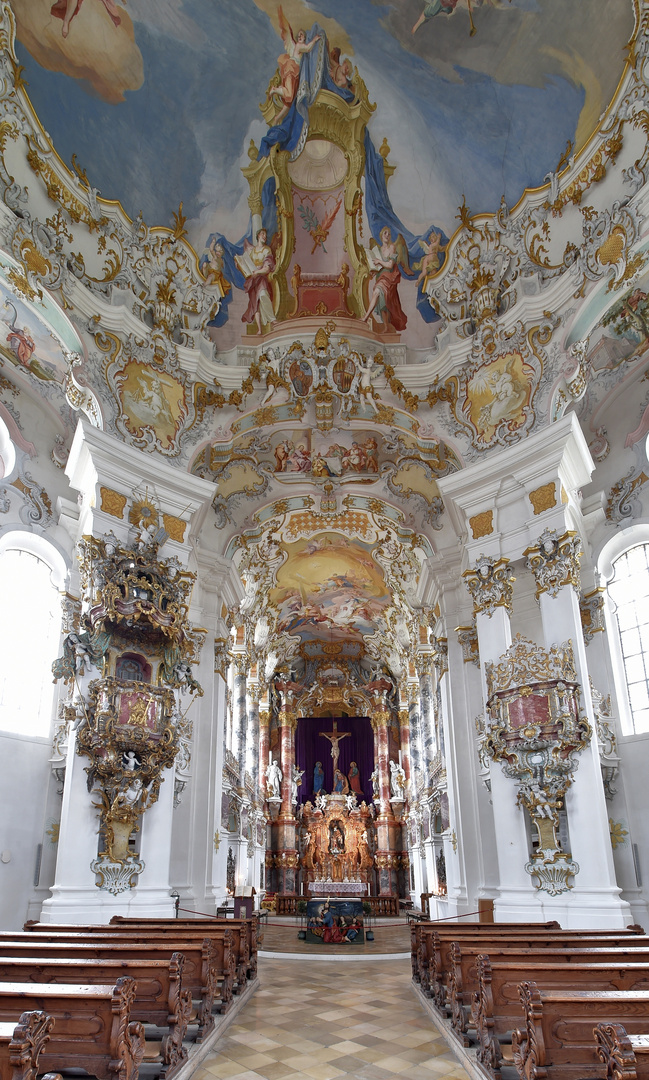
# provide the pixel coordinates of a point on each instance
(321, 1020)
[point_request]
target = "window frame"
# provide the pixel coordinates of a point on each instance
(624, 541)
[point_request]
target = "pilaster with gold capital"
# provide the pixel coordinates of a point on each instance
(554, 561)
(490, 584)
(404, 727)
(440, 656)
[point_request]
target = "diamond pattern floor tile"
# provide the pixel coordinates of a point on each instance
(332, 1021)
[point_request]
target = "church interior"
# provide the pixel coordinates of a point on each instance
(324, 538)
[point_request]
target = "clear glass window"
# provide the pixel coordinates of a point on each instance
(30, 623)
(629, 591)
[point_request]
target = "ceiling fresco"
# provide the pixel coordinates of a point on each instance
(480, 101)
(329, 589)
(331, 292)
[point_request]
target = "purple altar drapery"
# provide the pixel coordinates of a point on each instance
(310, 747)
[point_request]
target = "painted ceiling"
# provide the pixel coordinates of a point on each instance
(327, 436)
(159, 100)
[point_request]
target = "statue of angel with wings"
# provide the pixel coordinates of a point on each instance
(384, 258)
(289, 65)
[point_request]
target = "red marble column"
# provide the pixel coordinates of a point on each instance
(385, 819)
(287, 854)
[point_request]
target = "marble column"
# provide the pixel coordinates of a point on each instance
(385, 860)
(264, 743)
(595, 896)
(240, 711)
(253, 754)
(287, 857)
(417, 770)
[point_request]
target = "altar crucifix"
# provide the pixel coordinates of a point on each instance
(334, 738)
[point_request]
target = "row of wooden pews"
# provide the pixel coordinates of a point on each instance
(539, 1001)
(108, 998)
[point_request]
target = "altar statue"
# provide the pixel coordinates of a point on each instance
(334, 738)
(341, 785)
(397, 780)
(318, 778)
(375, 782)
(273, 779)
(296, 782)
(354, 778)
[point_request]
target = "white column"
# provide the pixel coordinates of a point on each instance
(517, 898)
(75, 897)
(595, 898)
(151, 898)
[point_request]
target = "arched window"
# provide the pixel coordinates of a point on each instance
(628, 590)
(30, 623)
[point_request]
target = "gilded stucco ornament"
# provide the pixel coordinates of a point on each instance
(623, 498)
(591, 609)
(490, 583)
(468, 639)
(554, 561)
(535, 728)
(606, 739)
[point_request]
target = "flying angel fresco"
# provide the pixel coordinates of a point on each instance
(447, 7)
(289, 64)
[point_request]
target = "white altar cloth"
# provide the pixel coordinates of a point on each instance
(338, 888)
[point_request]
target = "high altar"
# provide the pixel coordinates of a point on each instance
(336, 819)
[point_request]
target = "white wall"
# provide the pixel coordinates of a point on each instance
(24, 807)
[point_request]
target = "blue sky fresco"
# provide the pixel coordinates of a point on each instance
(463, 116)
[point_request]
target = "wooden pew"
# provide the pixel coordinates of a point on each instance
(200, 973)
(557, 1042)
(497, 1009)
(159, 999)
(436, 980)
(626, 1057)
(246, 933)
(233, 957)
(92, 1026)
(463, 982)
(21, 1045)
(420, 936)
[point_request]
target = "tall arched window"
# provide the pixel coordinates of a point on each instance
(628, 590)
(30, 623)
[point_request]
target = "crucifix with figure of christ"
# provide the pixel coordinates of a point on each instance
(334, 738)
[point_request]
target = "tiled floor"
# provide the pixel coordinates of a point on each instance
(325, 1019)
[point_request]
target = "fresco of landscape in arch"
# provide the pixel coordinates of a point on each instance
(476, 99)
(329, 588)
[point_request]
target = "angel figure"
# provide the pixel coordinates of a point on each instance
(447, 7)
(256, 264)
(432, 260)
(384, 260)
(289, 64)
